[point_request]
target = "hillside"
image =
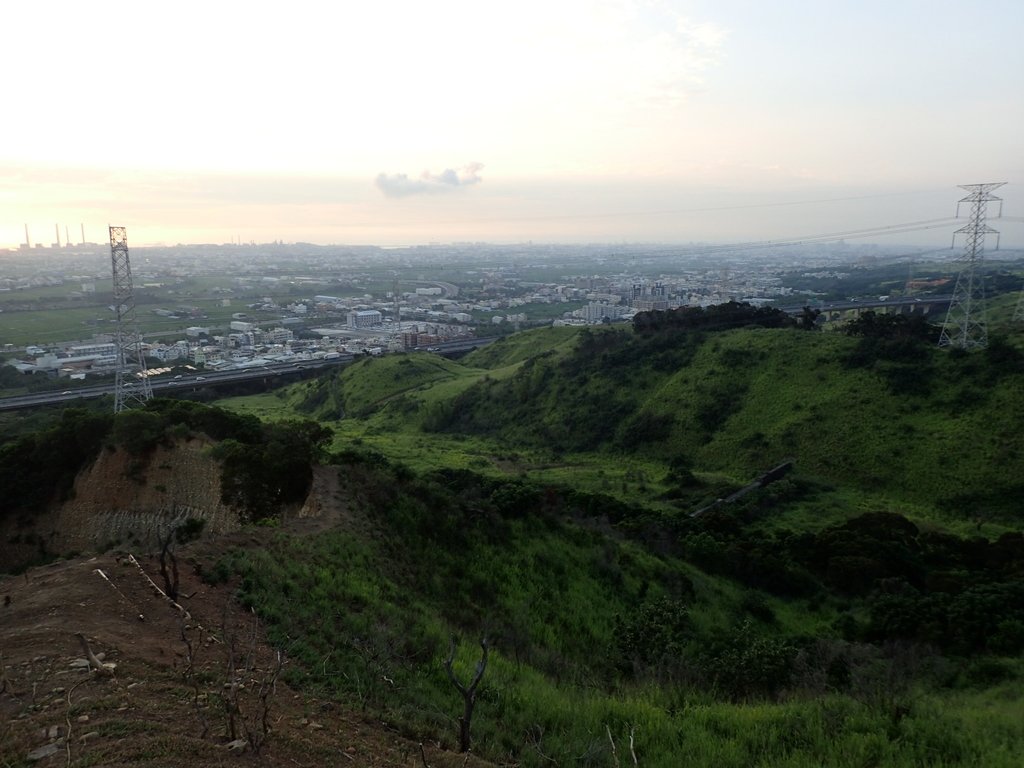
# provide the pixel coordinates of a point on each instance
(119, 498)
(891, 425)
(531, 506)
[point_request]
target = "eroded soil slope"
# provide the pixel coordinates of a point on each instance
(156, 709)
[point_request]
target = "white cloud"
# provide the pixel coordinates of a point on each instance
(400, 185)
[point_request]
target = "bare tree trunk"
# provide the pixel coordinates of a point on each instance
(468, 692)
(170, 579)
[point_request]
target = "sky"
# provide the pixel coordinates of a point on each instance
(397, 122)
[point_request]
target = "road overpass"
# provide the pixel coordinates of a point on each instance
(169, 385)
(166, 385)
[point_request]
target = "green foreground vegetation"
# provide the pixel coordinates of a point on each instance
(863, 605)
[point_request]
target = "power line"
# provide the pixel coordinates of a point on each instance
(702, 209)
(891, 229)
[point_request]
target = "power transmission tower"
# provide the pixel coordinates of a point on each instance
(965, 325)
(130, 387)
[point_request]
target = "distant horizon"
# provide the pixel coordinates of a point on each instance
(696, 245)
(605, 212)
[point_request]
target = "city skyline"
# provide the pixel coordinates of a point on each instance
(563, 121)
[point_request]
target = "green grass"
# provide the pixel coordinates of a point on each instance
(81, 319)
(46, 326)
(509, 350)
(548, 595)
(743, 402)
(268, 406)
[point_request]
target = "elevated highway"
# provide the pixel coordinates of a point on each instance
(166, 385)
(183, 383)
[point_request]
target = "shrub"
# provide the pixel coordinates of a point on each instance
(654, 634)
(744, 664)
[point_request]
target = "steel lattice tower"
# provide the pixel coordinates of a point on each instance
(131, 387)
(965, 325)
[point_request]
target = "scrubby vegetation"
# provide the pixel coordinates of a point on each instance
(39, 467)
(591, 629)
(874, 412)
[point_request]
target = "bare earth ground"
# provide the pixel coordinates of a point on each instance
(152, 711)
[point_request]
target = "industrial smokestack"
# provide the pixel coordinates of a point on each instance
(83, 233)
(28, 243)
(56, 230)
(67, 237)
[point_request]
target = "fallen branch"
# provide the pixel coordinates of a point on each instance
(105, 670)
(615, 754)
(67, 719)
(632, 745)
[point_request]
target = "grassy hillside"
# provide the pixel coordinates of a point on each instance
(930, 431)
(596, 625)
(865, 609)
(538, 494)
(676, 419)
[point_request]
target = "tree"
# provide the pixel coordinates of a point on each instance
(808, 319)
(468, 692)
(171, 581)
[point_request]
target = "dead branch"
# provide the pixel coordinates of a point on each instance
(104, 670)
(534, 735)
(254, 717)
(265, 694)
(190, 674)
(615, 754)
(423, 756)
(632, 751)
(231, 686)
(468, 692)
(67, 720)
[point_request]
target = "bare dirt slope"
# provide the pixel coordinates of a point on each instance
(124, 499)
(154, 711)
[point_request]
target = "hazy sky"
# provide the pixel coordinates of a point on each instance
(400, 121)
